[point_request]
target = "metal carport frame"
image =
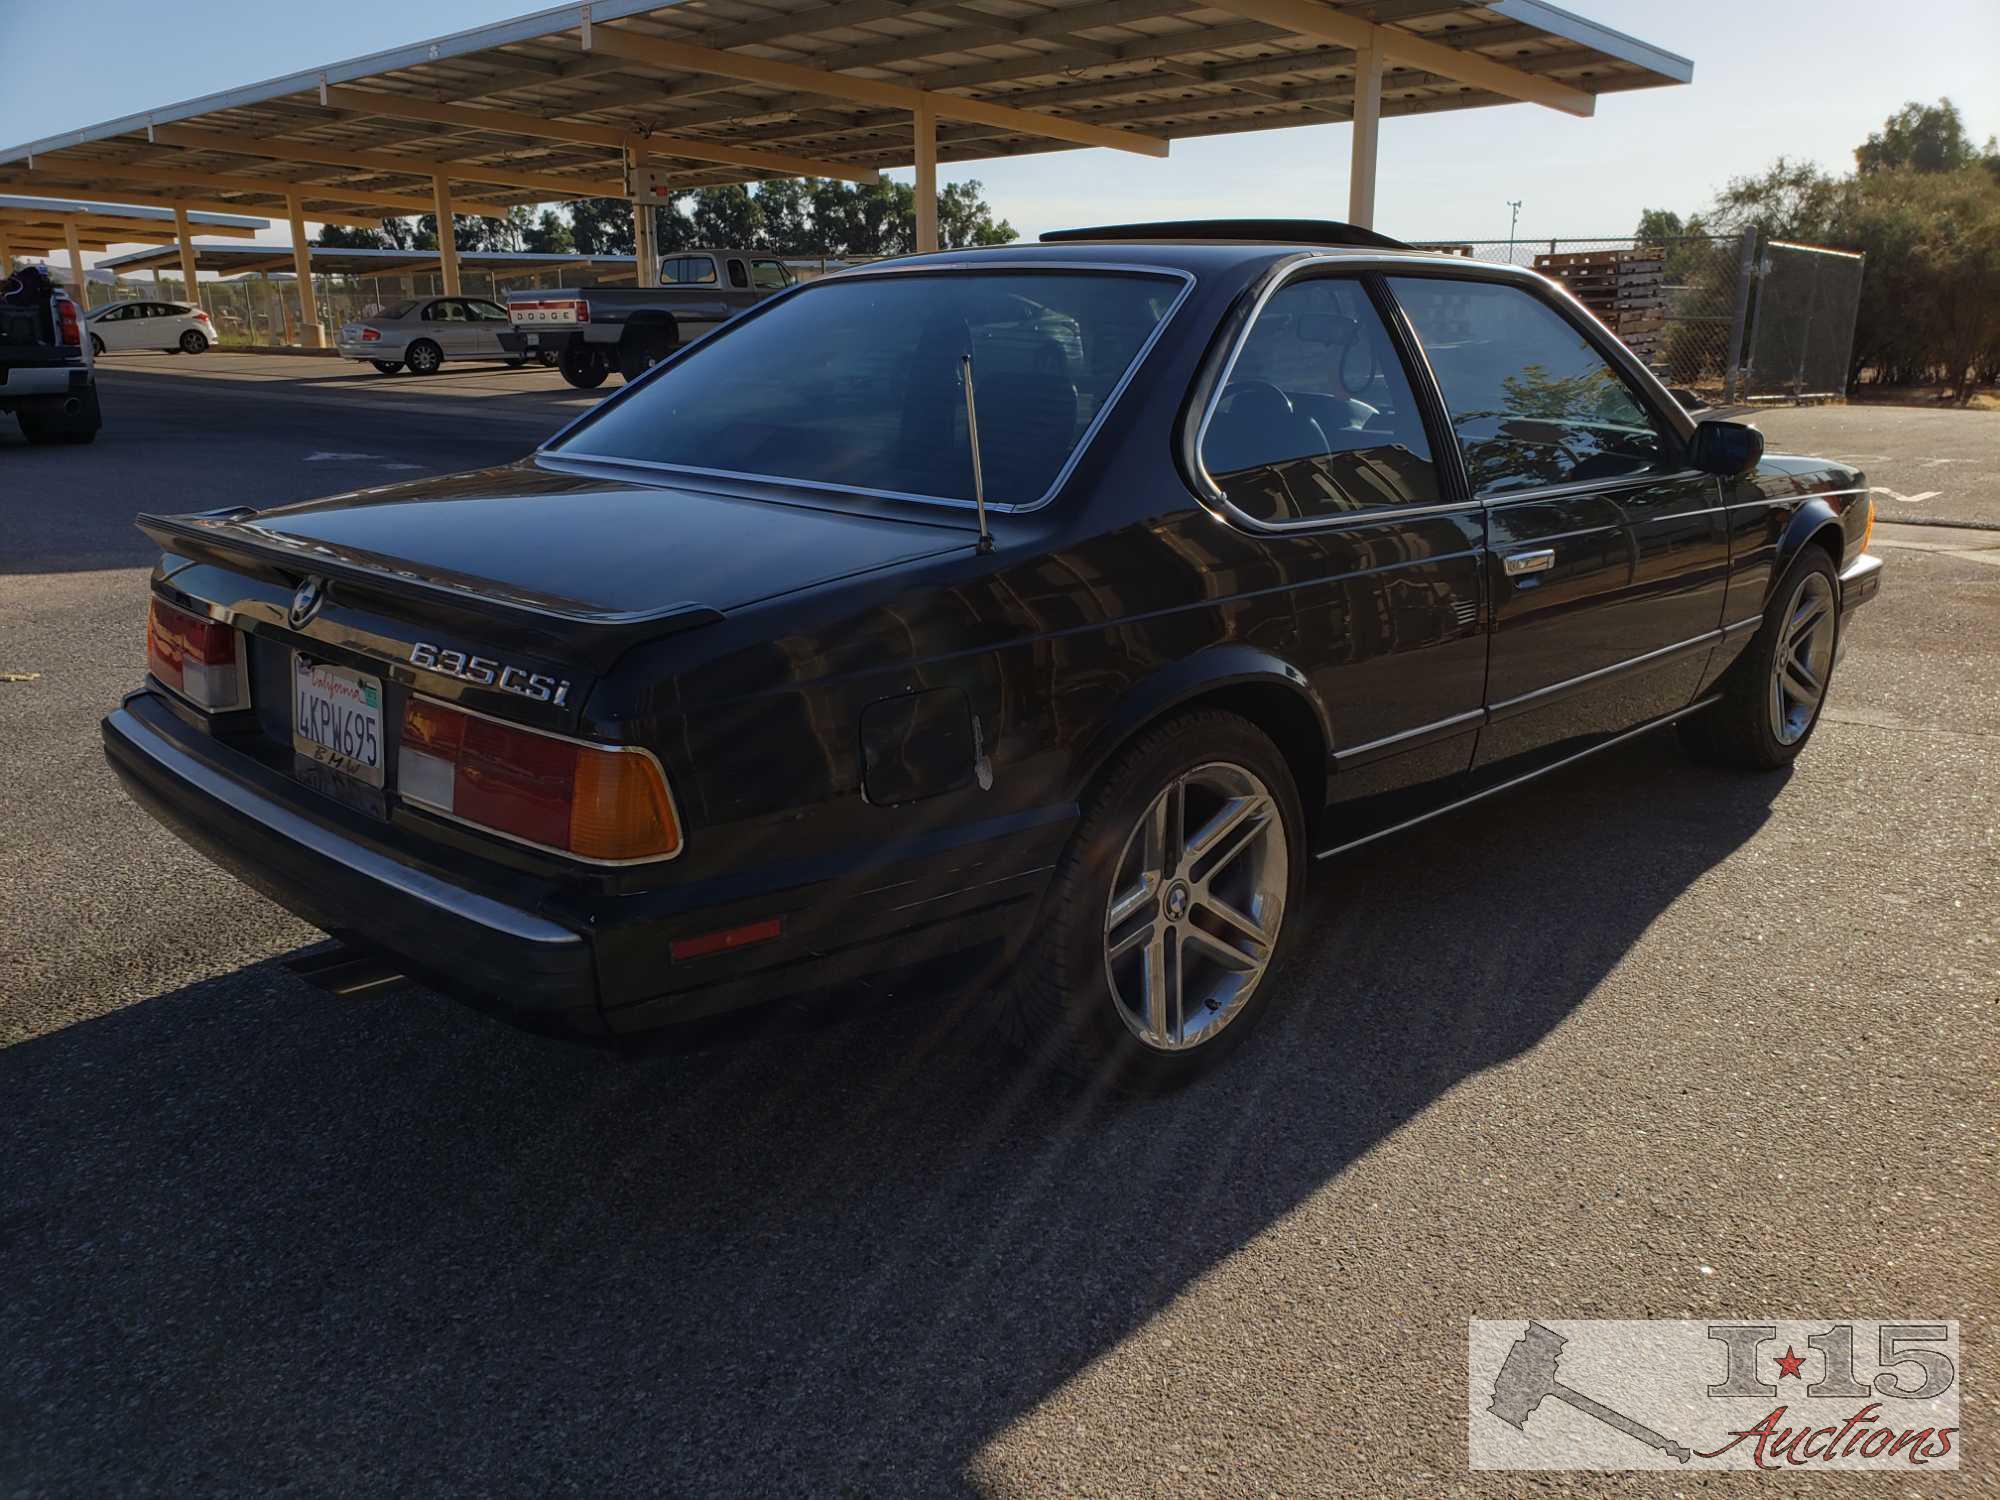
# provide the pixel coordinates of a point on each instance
(593, 99)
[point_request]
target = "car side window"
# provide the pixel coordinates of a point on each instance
(739, 274)
(1316, 418)
(1532, 402)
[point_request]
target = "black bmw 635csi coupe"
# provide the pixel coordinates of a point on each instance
(1065, 601)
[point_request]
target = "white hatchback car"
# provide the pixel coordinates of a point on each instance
(172, 326)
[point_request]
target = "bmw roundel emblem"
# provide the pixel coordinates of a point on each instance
(306, 602)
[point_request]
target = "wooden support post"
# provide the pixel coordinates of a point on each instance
(925, 124)
(645, 221)
(193, 289)
(447, 233)
(79, 290)
(6, 257)
(1367, 133)
(310, 336)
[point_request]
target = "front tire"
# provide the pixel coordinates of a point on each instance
(1153, 954)
(423, 357)
(1772, 696)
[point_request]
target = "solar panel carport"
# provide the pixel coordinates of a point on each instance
(609, 97)
(40, 226)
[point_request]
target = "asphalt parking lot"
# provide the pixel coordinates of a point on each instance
(1642, 1040)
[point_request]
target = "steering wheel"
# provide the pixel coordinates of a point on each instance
(1270, 397)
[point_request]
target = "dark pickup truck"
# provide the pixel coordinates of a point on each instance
(47, 379)
(595, 330)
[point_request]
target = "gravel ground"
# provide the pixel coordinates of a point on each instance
(1642, 1040)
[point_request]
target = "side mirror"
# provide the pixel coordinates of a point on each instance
(1726, 448)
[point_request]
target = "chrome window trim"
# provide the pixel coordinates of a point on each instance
(1206, 485)
(433, 810)
(919, 267)
(1436, 726)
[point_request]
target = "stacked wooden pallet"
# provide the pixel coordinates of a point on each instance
(1627, 289)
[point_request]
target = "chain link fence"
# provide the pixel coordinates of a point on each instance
(1738, 323)
(1802, 322)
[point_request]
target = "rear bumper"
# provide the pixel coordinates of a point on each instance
(26, 382)
(340, 885)
(592, 960)
(1860, 581)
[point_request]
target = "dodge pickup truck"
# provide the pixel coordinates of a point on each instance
(47, 378)
(595, 330)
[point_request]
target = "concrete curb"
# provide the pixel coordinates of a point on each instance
(1882, 520)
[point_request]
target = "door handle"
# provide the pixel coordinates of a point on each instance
(1517, 563)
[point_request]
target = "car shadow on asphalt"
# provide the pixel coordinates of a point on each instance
(257, 1237)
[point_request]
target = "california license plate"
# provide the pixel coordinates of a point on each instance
(337, 718)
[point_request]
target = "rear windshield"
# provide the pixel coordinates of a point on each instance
(856, 383)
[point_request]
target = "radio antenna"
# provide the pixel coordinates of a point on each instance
(972, 433)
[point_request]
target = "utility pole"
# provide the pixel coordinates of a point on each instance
(1513, 222)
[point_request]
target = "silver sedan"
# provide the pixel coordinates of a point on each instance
(423, 334)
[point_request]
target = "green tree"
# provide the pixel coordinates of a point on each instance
(965, 219)
(1921, 138)
(727, 218)
(786, 206)
(339, 237)
(1788, 200)
(549, 235)
(601, 226)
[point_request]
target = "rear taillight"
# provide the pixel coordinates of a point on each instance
(595, 802)
(580, 311)
(371, 335)
(70, 330)
(198, 658)
(201, 317)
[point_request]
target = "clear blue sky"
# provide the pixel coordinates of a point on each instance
(1804, 78)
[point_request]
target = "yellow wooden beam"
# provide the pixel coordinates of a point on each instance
(688, 58)
(277, 187)
(381, 161)
(157, 200)
(398, 107)
(1308, 18)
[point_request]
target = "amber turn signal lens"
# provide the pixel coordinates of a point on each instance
(1868, 532)
(620, 808)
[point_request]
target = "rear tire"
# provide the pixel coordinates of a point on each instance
(643, 348)
(45, 422)
(194, 341)
(1773, 695)
(584, 366)
(1130, 923)
(387, 366)
(423, 357)
(96, 347)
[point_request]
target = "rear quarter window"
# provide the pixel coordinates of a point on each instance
(855, 382)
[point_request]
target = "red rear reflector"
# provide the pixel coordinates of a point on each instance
(199, 658)
(72, 332)
(682, 949)
(599, 802)
(371, 335)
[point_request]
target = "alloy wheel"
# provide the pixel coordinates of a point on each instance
(1804, 658)
(1197, 902)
